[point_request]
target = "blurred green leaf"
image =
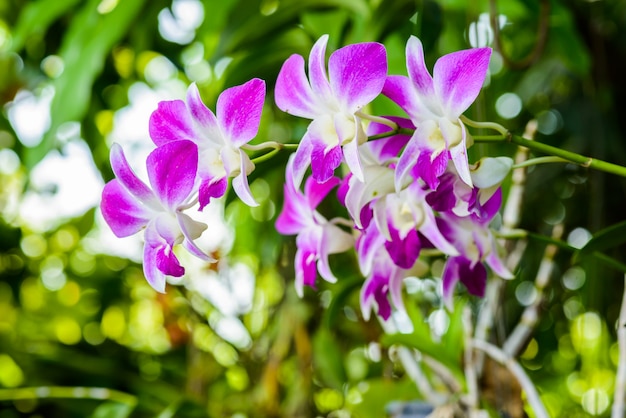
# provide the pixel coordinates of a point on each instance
(328, 359)
(603, 240)
(88, 41)
(113, 410)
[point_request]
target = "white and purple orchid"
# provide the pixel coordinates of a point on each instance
(435, 105)
(317, 237)
(219, 136)
(356, 75)
(129, 206)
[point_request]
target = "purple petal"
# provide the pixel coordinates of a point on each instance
(201, 114)
(403, 251)
(443, 198)
(171, 122)
(494, 261)
(316, 192)
(491, 207)
(430, 169)
(401, 91)
(357, 74)
(293, 93)
(296, 213)
(172, 171)
(302, 160)
(473, 277)
(211, 188)
(407, 160)
(376, 289)
(239, 111)
(390, 147)
(449, 279)
(124, 214)
(154, 276)
(458, 154)
(458, 78)
(317, 69)
(324, 161)
(367, 246)
(127, 176)
(416, 67)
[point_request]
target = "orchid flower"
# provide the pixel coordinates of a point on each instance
(398, 215)
(476, 244)
(317, 237)
(129, 206)
(219, 136)
(356, 75)
(435, 105)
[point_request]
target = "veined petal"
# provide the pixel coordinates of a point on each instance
(239, 111)
(458, 78)
(401, 91)
(124, 214)
(306, 271)
(154, 276)
(473, 277)
(416, 67)
(324, 160)
(367, 246)
(293, 93)
(211, 188)
(403, 251)
(128, 178)
(430, 166)
(203, 116)
(171, 122)
(357, 74)
(317, 70)
(430, 230)
(172, 171)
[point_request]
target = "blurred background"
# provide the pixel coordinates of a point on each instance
(83, 335)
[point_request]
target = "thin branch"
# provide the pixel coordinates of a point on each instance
(471, 378)
(620, 378)
(530, 317)
(532, 396)
(67, 392)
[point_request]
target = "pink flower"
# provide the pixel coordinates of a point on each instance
(129, 206)
(356, 75)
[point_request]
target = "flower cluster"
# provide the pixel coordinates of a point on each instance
(406, 182)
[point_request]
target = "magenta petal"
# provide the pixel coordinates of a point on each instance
(170, 122)
(200, 113)
(172, 171)
(293, 93)
(324, 162)
(127, 176)
(416, 67)
(317, 69)
(401, 91)
(357, 73)
(239, 111)
(211, 188)
(306, 272)
(122, 212)
(458, 78)
(449, 279)
(473, 277)
(430, 169)
(403, 251)
(316, 192)
(390, 147)
(154, 276)
(407, 161)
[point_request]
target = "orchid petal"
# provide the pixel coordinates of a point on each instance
(431, 231)
(357, 74)
(127, 177)
(211, 188)
(449, 279)
(403, 251)
(316, 192)
(293, 93)
(302, 160)
(240, 182)
(430, 169)
(353, 161)
(324, 160)
(458, 78)
(239, 111)
(121, 210)
(202, 115)
(378, 182)
(400, 90)
(416, 67)
(390, 147)
(171, 122)
(172, 171)
(306, 272)
(317, 69)
(494, 261)
(458, 154)
(192, 230)
(473, 277)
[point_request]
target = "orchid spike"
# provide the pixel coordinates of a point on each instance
(435, 105)
(356, 75)
(219, 136)
(317, 237)
(129, 206)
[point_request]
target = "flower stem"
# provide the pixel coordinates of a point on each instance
(484, 125)
(60, 392)
(568, 156)
(541, 160)
(377, 119)
(265, 157)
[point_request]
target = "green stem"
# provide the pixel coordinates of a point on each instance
(266, 157)
(377, 119)
(484, 125)
(63, 392)
(556, 152)
(397, 131)
(540, 160)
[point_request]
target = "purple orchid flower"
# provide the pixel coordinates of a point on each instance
(219, 136)
(317, 237)
(356, 75)
(435, 105)
(476, 244)
(129, 205)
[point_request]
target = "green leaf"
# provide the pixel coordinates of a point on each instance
(113, 410)
(88, 41)
(328, 359)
